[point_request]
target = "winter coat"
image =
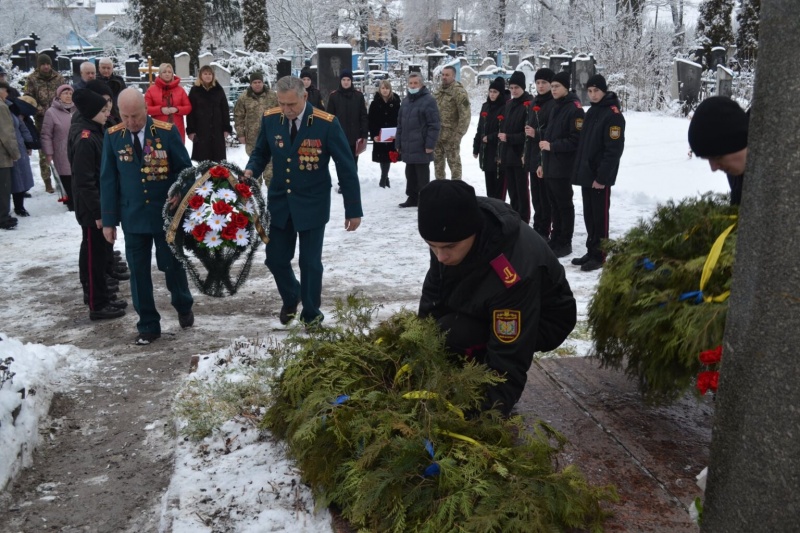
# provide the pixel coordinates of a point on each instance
(163, 94)
(563, 131)
(42, 87)
(85, 150)
(512, 284)
(247, 114)
(9, 149)
(537, 120)
(115, 83)
(315, 97)
(418, 127)
(513, 125)
(55, 134)
(209, 120)
(488, 126)
(454, 112)
(601, 144)
(382, 114)
(21, 173)
(349, 106)
(24, 111)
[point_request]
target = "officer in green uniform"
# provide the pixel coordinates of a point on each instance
(142, 158)
(301, 140)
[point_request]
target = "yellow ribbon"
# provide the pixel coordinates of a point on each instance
(458, 436)
(406, 368)
(426, 395)
(711, 262)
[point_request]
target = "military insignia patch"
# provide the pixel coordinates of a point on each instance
(505, 271)
(579, 124)
(615, 132)
(506, 325)
(577, 104)
(85, 134)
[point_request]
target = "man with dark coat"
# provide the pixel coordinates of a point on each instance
(512, 143)
(596, 166)
(42, 85)
(493, 286)
(537, 121)
(349, 106)
(418, 129)
(484, 145)
(106, 74)
(558, 144)
(314, 96)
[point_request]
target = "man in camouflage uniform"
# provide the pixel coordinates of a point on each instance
(454, 113)
(42, 85)
(247, 114)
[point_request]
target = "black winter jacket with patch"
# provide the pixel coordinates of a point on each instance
(601, 143)
(85, 152)
(563, 131)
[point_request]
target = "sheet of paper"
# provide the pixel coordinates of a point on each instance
(388, 133)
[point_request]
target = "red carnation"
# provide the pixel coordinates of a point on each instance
(707, 380)
(229, 232)
(394, 157)
(526, 103)
(200, 230)
(537, 108)
(196, 201)
(239, 220)
(221, 207)
(500, 117)
(219, 172)
(710, 357)
(244, 190)
(484, 114)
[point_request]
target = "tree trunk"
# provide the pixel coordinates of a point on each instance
(755, 463)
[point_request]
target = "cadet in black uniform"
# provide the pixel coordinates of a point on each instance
(537, 121)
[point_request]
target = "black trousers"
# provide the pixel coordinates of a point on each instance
(519, 192)
(92, 266)
(19, 200)
(595, 216)
(542, 216)
(418, 175)
(495, 184)
(385, 166)
(559, 192)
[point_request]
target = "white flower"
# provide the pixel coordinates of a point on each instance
(189, 224)
(205, 189)
(250, 206)
(198, 215)
(226, 194)
(212, 239)
(217, 222)
(242, 237)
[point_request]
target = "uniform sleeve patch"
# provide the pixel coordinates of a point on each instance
(579, 124)
(577, 104)
(615, 109)
(85, 134)
(505, 271)
(615, 132)
(506, 324)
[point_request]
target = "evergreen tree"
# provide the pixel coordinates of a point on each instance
(256, 25)
(747, 37)
(714, 25)
(223, 18)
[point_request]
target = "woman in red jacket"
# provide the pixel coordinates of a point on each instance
(167, 100)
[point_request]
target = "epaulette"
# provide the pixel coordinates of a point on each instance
(502, 267)
(115, 129)
(85, 134)
(577, 104)
(272, 111)
(160, 124)
(615, 109)
(323, 115)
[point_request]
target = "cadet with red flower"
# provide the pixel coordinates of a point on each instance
(512, 138)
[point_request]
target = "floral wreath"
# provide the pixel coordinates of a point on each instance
(222, 215)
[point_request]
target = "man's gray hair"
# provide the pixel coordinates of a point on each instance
(85, 66)
(417, 75)
(290, 83)
(105, 60)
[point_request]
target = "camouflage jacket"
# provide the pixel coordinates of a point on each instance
(248, 111)
(454, 112)
(42, 87)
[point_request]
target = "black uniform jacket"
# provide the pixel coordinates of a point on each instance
(85, 152)
(601, 144)
(538, 121)
(511, 282)
(349, 106)
(563, 131)
(513, 125)
(488, 125)
(315, 97)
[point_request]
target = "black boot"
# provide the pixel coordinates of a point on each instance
(382, 183)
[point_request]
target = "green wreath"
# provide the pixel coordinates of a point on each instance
(222, 218)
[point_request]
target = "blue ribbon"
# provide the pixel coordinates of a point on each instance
(694, 297)
(432, 469)
(340, 399)
(647, 264)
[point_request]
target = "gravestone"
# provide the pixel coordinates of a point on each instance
(529, 70)
(204, 59)
(284, 67)
(20, 62)
(241, 53)
(583, 68)
(76, 68)
(557, 63)
(32, 56)
(223, 77)
(182, 61)
(686, 78)
(719, 56)
(724, 81)
(469, 77)
(487, 62)
(492, 54)
(333, 59)
(19, 46)
(415, 68)
(513, 59)
(314, 58)
(544, 61)
(433, 61)
(63, 64)
(132, 69)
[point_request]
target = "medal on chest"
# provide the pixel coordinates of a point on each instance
(156, 162)
(309, 152)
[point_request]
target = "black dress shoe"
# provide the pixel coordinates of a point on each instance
(143, 339)
(186, 320)
(408, 203)
(119, 276)
(106, 312)
(288, 312)
(9, 224)
(22, 212)
(582, 260)
(562, 250)
(592, 264)
(119, 304)
(117, 253)
(112, 296)
(27, 195)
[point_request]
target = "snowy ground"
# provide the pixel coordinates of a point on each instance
(235, 478)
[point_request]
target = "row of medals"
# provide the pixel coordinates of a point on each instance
(309, 152)
(155, 163)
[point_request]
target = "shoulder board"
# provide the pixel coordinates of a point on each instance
(272, 111)
(115, 129)
(577, 104)
(160, 124)
(502, 267)
(615, 109)
(323, 115)
(85, 134)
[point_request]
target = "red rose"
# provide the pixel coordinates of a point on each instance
(196, 201)
(244, 190)
(537, 108)
(219, 172)
(200, 230)
(394, 157)
(239, 220)
(484, 114)
(221, 207)
(710, 357)
(707, 380)
(500, 117)
(229, 232)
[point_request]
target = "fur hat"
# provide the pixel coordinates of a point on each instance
(598, 81)
(448, 211)
(719, 127)
(517, 78)
(498, 84)
(43, 59)
(544, 74)
(562, 78)
(88, 102)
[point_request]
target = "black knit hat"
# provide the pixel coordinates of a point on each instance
(498, 84)
(448, 211)
(88, 102)
(346, 74)
(544, 74)
(517, 78)
(599, 82)
(100, 87)
(306, 73)
(718, 127)
(256, 76)
(562, 78)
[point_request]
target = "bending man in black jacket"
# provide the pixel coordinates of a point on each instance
(493, 285)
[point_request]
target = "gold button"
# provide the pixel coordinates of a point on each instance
(288, 171)
(289, 191)
(143, 180)
(147, 201)
(145, 191)
(288, 181)
(288, 159)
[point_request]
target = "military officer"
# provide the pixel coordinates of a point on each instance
(301, 140)
(142, 158)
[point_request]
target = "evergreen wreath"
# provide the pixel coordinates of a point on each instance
(658, 304)
(217, 258)
(384, 424)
